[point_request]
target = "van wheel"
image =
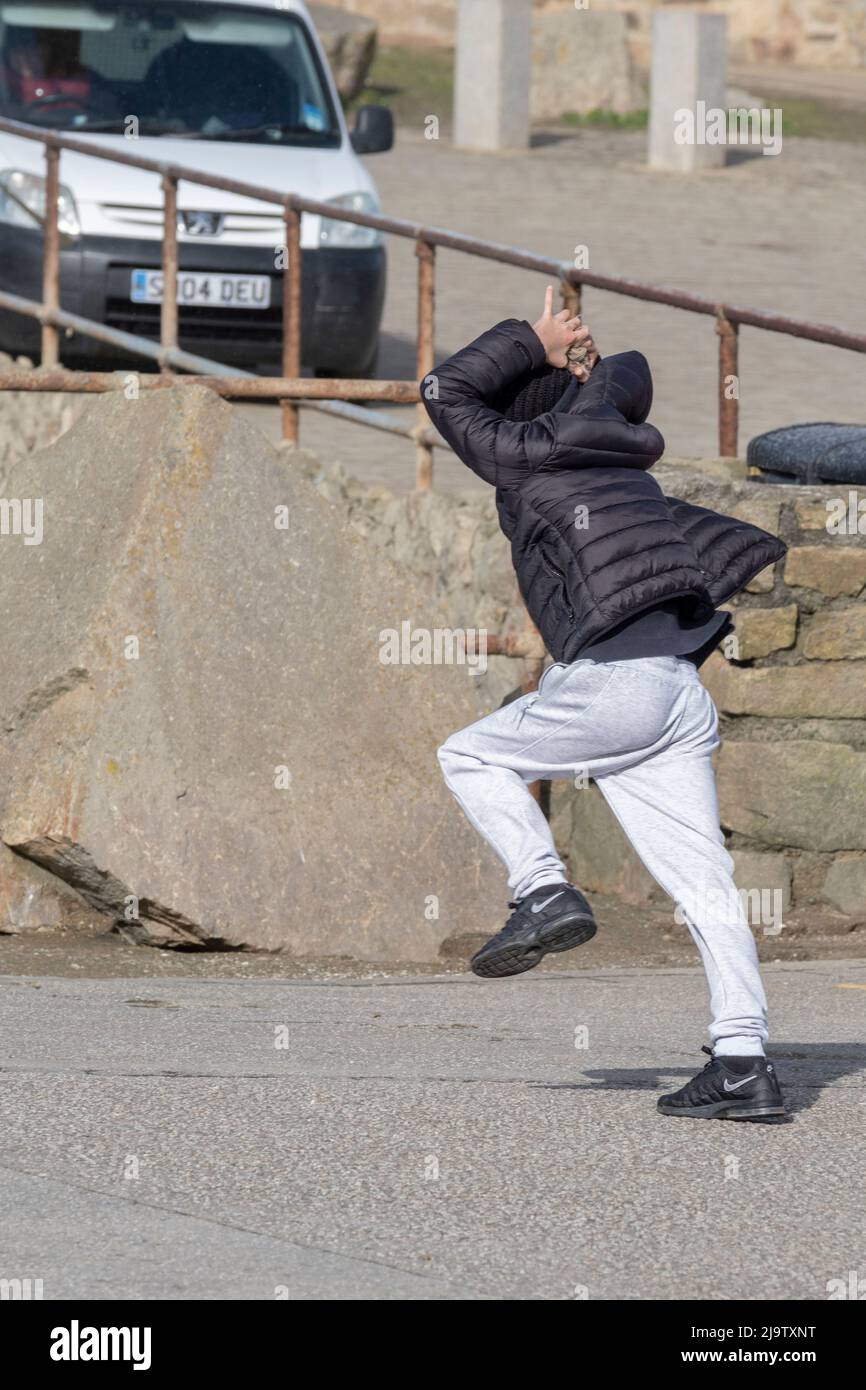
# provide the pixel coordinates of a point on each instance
(362, 372)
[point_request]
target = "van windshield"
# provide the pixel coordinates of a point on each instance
(193, 70)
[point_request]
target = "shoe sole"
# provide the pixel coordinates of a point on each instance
(562, 934)
(723, 1110)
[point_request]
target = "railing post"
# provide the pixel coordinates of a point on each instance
(168, 308)
(51, 256)
(291, 317)
(729, 384)
(426, 253)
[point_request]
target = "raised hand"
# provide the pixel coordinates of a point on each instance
(566, 342)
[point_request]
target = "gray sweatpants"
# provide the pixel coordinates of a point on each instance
(645, 731)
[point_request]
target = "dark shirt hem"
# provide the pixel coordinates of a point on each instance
(672, 628)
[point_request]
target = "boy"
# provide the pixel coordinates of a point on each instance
(624, 585)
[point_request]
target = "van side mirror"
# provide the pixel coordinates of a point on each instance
(373, 132)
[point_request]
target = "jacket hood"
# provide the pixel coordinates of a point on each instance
(602, 422)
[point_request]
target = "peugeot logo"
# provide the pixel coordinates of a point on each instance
(202, 223)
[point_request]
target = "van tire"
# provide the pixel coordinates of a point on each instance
(362, 372)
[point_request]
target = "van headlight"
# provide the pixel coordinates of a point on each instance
(22, 202)
(348, 234)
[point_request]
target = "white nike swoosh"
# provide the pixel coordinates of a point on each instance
(737, 1084)
(536, 907)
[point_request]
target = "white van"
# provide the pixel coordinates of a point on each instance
(239, 88)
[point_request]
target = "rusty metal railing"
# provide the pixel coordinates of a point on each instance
(337, 396)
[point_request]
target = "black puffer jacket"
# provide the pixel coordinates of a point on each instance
(594, 539)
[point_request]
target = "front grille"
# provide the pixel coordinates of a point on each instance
(198, 321)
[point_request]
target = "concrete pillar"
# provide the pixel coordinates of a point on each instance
(492, 72)
(688, 83)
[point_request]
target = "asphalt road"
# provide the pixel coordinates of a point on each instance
(439, 1138)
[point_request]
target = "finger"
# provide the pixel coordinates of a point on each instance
(548, 301)
(575, 322)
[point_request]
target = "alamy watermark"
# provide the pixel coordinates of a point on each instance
(846, 516)
(22, 516)
(761, 907)
(437, 646)
(715, 125)
(77, 1343)
(21, 1290)
(852, 1286)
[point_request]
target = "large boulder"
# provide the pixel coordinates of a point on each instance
(196, 731)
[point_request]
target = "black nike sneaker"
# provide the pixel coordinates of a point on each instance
(721, 1092)
(553, 918)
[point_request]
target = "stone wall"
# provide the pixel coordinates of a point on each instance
(793, 681)
(349, 41)
(424, 21)
(805, 33)
(583, 63)
(800, 33)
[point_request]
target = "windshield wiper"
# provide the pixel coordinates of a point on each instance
(249, 132)
(111, 123)
(157, 127)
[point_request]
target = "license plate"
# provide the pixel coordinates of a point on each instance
(210, 288)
